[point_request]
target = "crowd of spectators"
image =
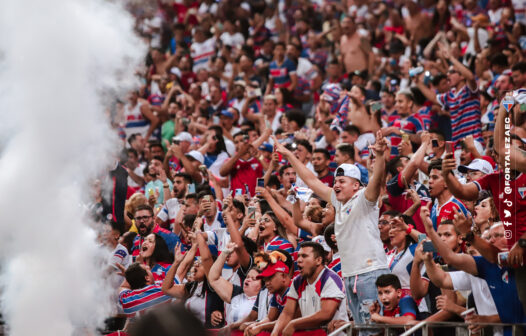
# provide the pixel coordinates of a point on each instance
(290, 166)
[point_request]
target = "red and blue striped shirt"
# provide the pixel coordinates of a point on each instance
(464, 108)
(138, 300)
(281, 73)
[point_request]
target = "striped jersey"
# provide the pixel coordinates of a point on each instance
(278, 301)
(464, 108)
(279, 243)
(281, 73)
(328, 286)
(410, 125)
(446, 211)
(137, 301)
(336, 264)
(201, 53)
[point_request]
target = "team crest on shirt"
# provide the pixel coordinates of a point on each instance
(254, 166)
(505, 277)
(522, 191)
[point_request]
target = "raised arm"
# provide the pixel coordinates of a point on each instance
(282, 215)
(463, 262)
(372, 191)
(188, 260)
(468, 191)
(148, 114)
(222, 287)
(320, 189)
(169, 287)
(419, 286)
(413, 164)
(235, 237)
(204, 251)
(436, 274)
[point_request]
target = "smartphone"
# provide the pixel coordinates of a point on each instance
(422, 237)
(428, 246)
(245, 138)
(434, 143)
(261, 182)
(239, 192)
(175, 141)
(185, 121)
(191, 188)
(257, 92)
(251, 212)
(449, 146)
(502, 258)
(202, 168)
(208, 198)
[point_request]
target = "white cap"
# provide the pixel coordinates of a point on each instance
(176, 71)
(321, 240)
(197, 156)
(477, 164)
(184, 136)
(349, 170)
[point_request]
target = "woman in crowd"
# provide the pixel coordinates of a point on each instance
(155, 253)
(240, 299)
(485, 215)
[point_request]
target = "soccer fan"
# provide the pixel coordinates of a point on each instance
(396, 308)
(318, 292)
(362, 259)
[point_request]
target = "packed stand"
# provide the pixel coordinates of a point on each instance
(293, 166)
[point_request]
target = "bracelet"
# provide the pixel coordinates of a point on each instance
(410, 228)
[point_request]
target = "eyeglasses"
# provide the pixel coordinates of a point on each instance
(142, 218)
(383, 222)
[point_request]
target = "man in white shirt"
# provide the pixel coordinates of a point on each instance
(318, 292)
(356, 225)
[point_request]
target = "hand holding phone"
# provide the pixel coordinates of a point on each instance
(449, 146)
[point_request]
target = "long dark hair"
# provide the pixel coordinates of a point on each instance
(220, 146)
(161, 253)
(282, 232)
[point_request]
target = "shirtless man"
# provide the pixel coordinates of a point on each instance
(355, 54)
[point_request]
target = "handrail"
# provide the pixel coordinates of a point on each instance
(415, 328)
(420, 325)
(342, 328)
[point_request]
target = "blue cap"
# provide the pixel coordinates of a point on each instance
(227, 114)
(266, 147)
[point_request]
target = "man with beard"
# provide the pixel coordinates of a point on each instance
(166, 217)
(145, 226)
(318, 292)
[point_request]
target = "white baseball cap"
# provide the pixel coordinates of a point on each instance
(197, 156)
(349, 170)
(478, 165)
(321, 240)
(184, 136)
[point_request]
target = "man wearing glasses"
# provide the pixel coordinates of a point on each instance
(145, 226)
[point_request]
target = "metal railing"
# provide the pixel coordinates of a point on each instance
(392, 329)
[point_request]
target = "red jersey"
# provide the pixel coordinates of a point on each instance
(245, 172)
(447, 211)
(510, 201)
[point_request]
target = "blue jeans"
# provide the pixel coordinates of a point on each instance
(362, 294)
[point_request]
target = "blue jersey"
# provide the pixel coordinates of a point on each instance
(278, 301)
(503, 288)
(281, 73)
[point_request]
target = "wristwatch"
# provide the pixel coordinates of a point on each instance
(469, 237)
(522, 243)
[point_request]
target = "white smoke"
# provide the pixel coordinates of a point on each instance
(56, 59)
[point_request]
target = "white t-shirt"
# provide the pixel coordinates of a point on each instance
(364, 140)
(357, 234)
(218, 237)
(169, 210)
(139, 172)
(234, 40)
(202, 53)
(309, 300)
(239, 308)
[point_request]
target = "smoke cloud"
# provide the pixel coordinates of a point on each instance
(58, 58)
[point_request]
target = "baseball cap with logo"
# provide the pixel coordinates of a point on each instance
(271, 269)
(478, 165)
(349, 170)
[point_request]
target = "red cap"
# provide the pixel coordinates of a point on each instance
(272, 269)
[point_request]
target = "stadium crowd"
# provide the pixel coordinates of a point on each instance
(290, 166)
